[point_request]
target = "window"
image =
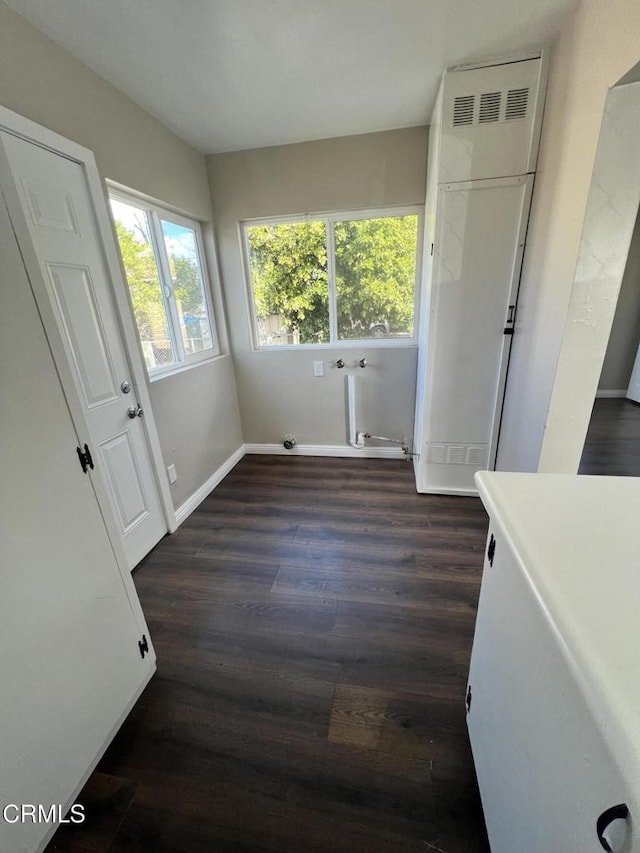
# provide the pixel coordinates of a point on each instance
(162, 258)
(333, 278)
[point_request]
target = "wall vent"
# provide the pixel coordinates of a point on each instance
(463, 107)
(511, 105)
(477, 455)
(489, 107)
(458, 454)
(517, 103)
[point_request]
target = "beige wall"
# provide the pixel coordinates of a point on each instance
(625, 332)
(197, 412)
(598, 45)
(277, 390)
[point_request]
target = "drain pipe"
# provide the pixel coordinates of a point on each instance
(359, 439)
(356, 439)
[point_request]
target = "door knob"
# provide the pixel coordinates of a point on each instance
(135, 411)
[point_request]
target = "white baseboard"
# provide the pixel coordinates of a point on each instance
(327, 450)
(462, 493)
(207, 487)
(603, 392)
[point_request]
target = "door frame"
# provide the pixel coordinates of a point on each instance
(24, 128)
(594, 293)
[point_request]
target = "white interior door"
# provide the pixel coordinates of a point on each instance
(70, 621)
(52, 211)
(477, 259)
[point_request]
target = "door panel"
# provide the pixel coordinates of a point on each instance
(69, 621)
(477, 258)
(120, 464)
(54, 204)
(50, 207)
(74, 296)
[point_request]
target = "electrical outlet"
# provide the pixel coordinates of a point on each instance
(318, 368)
(171, 471)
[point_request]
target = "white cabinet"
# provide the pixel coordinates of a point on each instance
(70, 621)
(554, 682)
(491, 118)
(482, 153)
(479, 239)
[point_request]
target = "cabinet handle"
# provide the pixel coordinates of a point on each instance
(619, 812)
(491, 550)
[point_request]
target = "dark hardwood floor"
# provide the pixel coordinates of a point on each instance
(612, 445)
(313, 622)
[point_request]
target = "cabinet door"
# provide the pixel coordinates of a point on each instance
(70, 622)
(476, 270)
(491, 121)
(544, 770)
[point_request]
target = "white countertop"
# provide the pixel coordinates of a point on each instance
(577, 540)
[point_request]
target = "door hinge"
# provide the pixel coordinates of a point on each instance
(143, 645)
(85, 458)
(432, 250)
(511, 316)
(467, 700)
(491, 550)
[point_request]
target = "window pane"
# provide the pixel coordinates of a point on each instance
(376, 277)
(132, 228)
(186, 281)
(288, 265)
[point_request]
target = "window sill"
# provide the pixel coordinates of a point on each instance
(183, 366)
(373, 343)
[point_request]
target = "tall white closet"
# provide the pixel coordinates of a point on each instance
(483, 146)
(76, 651)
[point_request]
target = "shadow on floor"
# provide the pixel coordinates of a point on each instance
(612, 446)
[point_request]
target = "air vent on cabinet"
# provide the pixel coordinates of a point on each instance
(517, 102)
(477, 455)
(463, 109)
(458, 454)
(489, 107)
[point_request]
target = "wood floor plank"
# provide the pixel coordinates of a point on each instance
(612, 445)
(313, 622)
(105, 800)
(375, 537)
(411, 590)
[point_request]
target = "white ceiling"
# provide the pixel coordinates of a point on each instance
(231, 74)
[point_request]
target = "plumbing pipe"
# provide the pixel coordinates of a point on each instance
(408, 454)
(356, 439)
(384, 438)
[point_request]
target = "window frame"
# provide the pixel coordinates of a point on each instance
(330, 218)
(156, 212)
